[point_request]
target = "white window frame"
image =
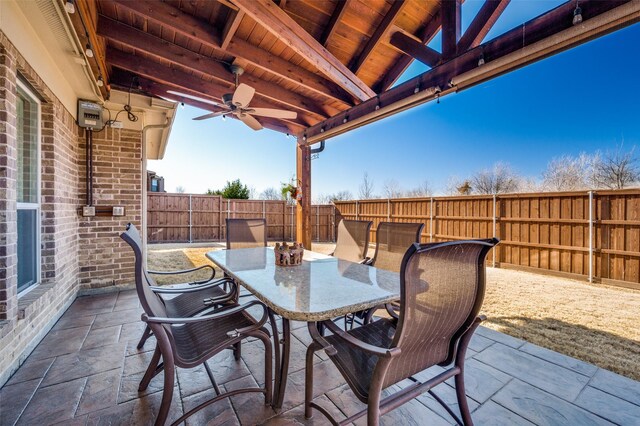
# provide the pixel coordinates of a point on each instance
(35, 206)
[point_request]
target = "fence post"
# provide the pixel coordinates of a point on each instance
(431, 220)
(292, 237)
(220, 219)
(357, 211)
(388, 210)
(333, 225)
(590, 236)
(494, 227)
(190, 240)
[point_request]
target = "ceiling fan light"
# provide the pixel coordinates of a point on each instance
(70, 7)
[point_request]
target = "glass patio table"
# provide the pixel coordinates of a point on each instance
(321, 288)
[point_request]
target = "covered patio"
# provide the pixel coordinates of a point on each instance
(87, 369)
(306, 68)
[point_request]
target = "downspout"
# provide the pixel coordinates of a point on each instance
(143, 178)
(317, 150)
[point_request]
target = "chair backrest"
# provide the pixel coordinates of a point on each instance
(352, 241)
(392, 242)
(246, 233)
(151, 302)
(441, 292)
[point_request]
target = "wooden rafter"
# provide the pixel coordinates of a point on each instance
(173, 77)
(541, 37)
(381, 30)
(415, 49)
(230, 27)
(481, 24)
(451, 24)
(426, 35)
(160, 48)
(338, 12)
(201, 32)
(279, 23)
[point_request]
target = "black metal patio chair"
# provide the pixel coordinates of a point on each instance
(442, 288)
(185, 299)
(188, 342)
(352, 241)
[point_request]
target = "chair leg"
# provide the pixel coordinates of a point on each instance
(463, 404)
(151, 370)
(167, 392)
(237, 351)
(373, 408)
(308, 381)
(268, 369)
(145, 336)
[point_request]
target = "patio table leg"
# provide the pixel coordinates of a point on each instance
(281, 376)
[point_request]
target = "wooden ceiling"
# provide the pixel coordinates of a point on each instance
(341, 54)
(322, 59)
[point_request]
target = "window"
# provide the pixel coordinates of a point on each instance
(28, 188)
(154, 185)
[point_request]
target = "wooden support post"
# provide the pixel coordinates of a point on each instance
(303, 210)
(450, 27)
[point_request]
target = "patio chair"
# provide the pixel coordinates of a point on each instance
(441, 292)
(352, 241)
(246, 233)
(393, 239)
(186, 299)
(188, 342)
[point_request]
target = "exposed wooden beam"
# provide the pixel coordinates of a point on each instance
(427, 34)
(336, 16)
(279, 23)
(539, 38)
(481, 24)
(160, 48)
(123, 78)
(230, 27)
(202, 32)
(391, 15)
(171, 76)
(415, 49)
(451, 24)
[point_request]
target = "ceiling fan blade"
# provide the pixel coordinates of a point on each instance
(196, 98)
(243, 95)
(249, 120)
(273, 113)
(210, 115)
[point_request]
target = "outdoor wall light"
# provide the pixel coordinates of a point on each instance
(69, 7)
(577, 15)
(88, 51)
(481, 60)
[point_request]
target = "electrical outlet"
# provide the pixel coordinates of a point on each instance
(88, 211)
(117, 125)
(118, 210)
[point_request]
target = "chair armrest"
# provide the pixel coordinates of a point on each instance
(220, 313)
(319, 338)
(391, 311)
(164, 290)
(366, 261)
(186, 271)
(376, 350)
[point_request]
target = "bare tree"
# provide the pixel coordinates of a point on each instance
(253, 193)
(454, 183)
(422, 190)
(567, 173)
(616, 170)
(391, 189)
(500, 179)
(271, 194)
(338, 196)
(366, 187)
(180, 189)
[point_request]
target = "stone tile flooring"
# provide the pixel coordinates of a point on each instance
(87, 369)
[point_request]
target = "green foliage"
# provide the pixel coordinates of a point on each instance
(233, 190)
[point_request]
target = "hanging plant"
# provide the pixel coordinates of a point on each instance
(289, 191)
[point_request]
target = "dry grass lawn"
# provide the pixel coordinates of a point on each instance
(595, 323)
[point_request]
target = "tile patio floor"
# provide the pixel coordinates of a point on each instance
(86, 372)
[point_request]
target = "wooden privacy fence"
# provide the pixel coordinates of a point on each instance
(593, 234)
(193, 218)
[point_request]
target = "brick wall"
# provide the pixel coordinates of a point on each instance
(106, 260)
(77, 253)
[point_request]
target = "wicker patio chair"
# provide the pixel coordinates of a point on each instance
(442, 288)
(186, 299)
(352, 241)
(246, 233)
(393, 239)
(188, 342)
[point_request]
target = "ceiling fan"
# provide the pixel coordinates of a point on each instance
(237, 103)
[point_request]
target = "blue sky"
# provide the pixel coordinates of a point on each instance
(582, 100)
